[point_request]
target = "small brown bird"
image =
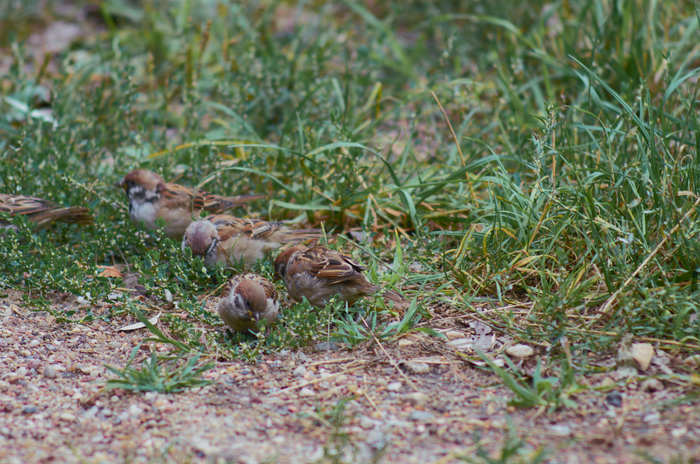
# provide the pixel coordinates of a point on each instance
(151, 198)
(318, 273)
(42, 212)
(225, 239)
(251, 299)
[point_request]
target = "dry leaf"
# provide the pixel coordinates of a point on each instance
(139, 325)
(109, 271)
(642, 353)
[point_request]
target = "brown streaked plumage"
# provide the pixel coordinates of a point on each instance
(318, 273)
(251, 299)
(43, 212)
(226, 239)
(151, 198)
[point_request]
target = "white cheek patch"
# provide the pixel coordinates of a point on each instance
(151, 196)
(239, 302)
(141, 205)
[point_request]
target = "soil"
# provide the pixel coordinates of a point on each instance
(407, 401)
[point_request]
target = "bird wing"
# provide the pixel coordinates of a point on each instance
(42, 211)
(330, 265)
(176, 196)
(231, 226)
(217, 203)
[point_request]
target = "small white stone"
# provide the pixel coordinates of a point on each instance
(652, 385)
(66, 416)
(454, 334)
(461, 344)
(416, 367)
(50, 372)
(642, 353)
(679, 432)
(134, 410)
(520, 351)
(560, 430)
(394, 386)
(418, 398)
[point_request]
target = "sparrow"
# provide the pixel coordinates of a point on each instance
(318, 273)
(251, 299)
(151, 198)
(42, 212)
(226, 239)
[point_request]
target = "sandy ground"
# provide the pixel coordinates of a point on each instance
(408, 401)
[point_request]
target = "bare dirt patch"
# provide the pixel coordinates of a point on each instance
(402, 402)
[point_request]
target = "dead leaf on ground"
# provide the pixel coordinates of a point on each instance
(109, 271)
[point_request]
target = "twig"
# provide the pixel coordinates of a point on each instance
(449, 124)
(372, 403)
(663, 341)
(605, 309)
(391, 359)
(330, 361)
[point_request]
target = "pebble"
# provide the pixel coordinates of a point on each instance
(394, 386)
(34, 343)
(66, 416)
(454, 334)
(625, 372)
(652, 385)
(692, 360)
(462, 344)
(30, 410)
(367, 423)
(560, 430)
(50, 372)
(300, 371)
(416, 367)
(377, 439)
(607, 382)
(421, 416)
(520, 351)
(134, 410)
(326, 346)
(614, 399)
(418, 398)
(306, 391)
(679, 432)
